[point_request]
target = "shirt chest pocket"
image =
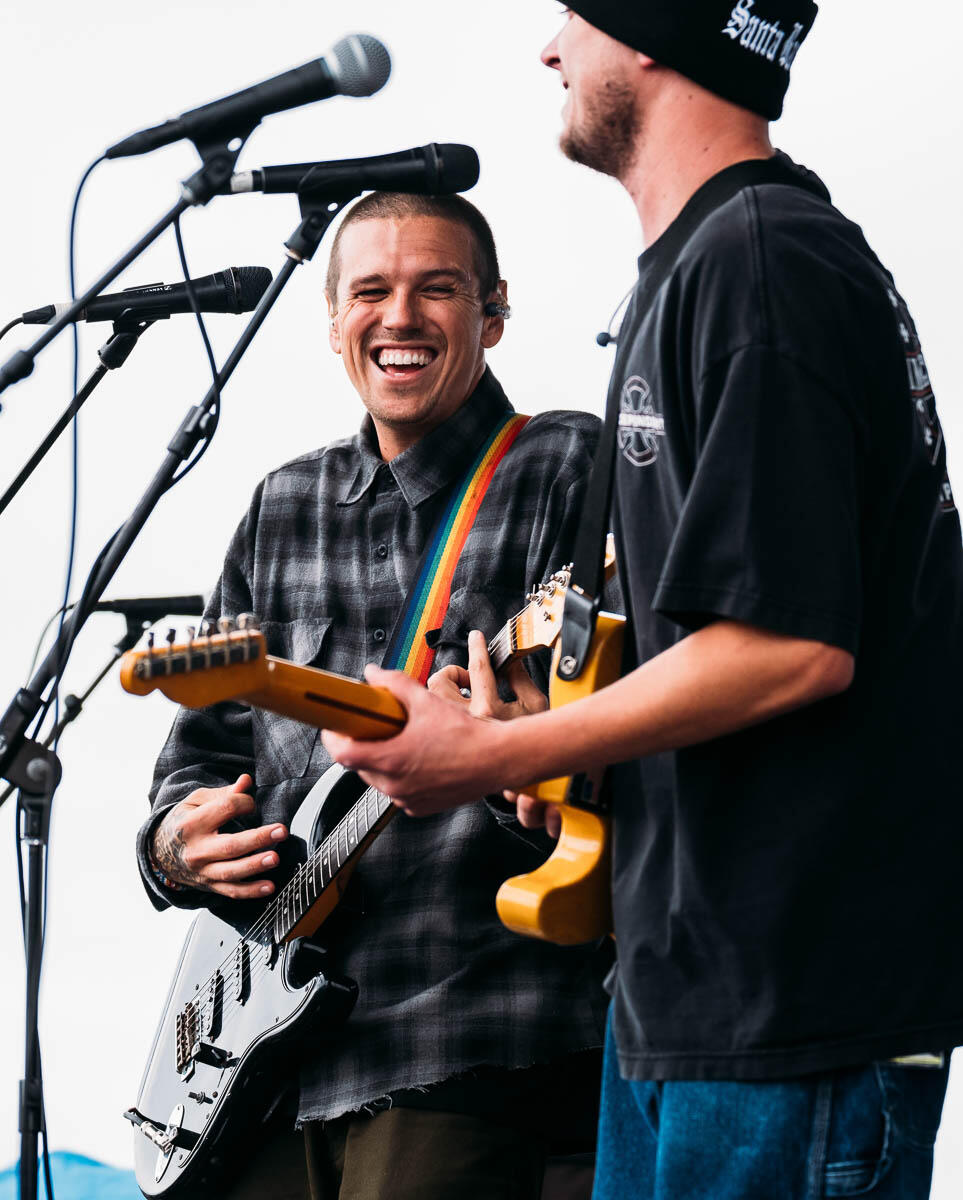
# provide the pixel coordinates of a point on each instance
(282, 747)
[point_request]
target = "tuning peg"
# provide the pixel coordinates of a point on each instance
(224, 625)
(247, 623)
(206, 628)
(150, 640)
(169, 637)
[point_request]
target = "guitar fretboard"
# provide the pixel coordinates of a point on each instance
(304, 889)
(503, 645)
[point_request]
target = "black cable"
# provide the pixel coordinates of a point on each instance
(75, 425)
(215, 412)
(7, 328)
(39, 646)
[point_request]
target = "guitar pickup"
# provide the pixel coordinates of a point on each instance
(242, 972)
(214, 1009)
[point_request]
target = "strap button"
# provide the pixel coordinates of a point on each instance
(379, 635)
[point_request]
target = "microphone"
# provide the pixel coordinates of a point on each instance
(432, 170)
(152, 608)
(358, 65)
(236, 290)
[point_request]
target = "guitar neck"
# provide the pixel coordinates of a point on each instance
(302, 905)
(316, 887)
(327, 701)
(503, 648)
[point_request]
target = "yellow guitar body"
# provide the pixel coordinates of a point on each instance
(567, 900)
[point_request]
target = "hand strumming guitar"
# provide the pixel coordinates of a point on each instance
(189, 848)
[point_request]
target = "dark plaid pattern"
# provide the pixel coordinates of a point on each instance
(325, 555)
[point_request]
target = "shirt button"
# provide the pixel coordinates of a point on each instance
(379, 635)
(382, 551)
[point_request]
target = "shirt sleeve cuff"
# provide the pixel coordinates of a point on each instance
(160, 896)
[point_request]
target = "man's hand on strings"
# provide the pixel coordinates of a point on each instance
(478, 681)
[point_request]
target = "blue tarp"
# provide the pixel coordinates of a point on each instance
(76, 1178)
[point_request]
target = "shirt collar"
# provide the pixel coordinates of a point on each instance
(441, 456)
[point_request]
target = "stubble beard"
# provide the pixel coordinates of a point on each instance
(607, 136)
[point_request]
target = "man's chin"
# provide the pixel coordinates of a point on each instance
(401, 407)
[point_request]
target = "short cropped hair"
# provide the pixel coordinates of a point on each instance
(396, 206)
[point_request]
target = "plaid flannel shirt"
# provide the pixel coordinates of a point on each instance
(325, 556)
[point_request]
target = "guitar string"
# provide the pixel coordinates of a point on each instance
(224, 974)
(291, 889)
(505, 640)
(201, 1000)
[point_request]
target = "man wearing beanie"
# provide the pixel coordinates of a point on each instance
(786, 810)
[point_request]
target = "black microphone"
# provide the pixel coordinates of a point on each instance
(358, 65)
(152, 608)
(236, 290)
(432, 170)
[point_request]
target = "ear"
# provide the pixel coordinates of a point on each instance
(334, 327)
(494, 327)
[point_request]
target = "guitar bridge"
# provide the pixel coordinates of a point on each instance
(187, 1030)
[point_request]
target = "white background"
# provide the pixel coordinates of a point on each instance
(874, 109)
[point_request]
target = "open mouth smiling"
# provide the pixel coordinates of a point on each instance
(402, 360)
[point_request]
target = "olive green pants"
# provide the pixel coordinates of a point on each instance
(406, 1154)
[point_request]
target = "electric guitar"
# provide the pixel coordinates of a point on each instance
(249, 994)
(568, 898)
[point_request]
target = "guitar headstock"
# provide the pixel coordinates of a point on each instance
(536, 627)
(204, 668)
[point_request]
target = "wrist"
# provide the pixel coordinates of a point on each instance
(161, 876)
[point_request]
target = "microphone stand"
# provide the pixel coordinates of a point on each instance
(74, 705)
(112, 354)
(34, 768)
(218, 158)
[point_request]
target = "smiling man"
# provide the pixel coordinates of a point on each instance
(470, 1053)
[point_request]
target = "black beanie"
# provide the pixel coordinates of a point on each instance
(740, 49)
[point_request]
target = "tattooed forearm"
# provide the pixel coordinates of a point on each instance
(168, 852)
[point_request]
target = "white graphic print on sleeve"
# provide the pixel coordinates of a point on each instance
(921, 393)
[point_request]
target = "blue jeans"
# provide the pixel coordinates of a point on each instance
(867, 1131)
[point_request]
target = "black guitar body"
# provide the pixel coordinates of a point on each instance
(242, 1006)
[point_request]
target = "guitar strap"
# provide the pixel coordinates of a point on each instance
(427, 600)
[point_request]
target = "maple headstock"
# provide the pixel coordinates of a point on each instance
(204, 668)
(537, 626)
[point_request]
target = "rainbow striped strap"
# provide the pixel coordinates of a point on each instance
(428, 598)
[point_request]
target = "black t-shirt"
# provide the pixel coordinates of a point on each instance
(788, 898)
